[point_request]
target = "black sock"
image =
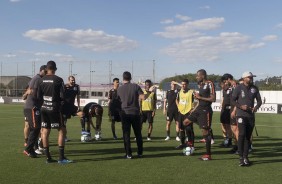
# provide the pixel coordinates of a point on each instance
(168, 133)
(208, 143)
(177, 134)
(61, 152)
(149, 134)
(182, 137)
(47, 153)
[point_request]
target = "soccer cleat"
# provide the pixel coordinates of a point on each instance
(49, 161)
(206, 157)
(38, 152)
(177, 138)
(140, 156)
(115, 137)
(181, 146)
(167, 138)
(65, 161)
(149, 139)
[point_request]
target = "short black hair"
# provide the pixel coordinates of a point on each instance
(51, 65)
(227, 76)
(126, 76)
(186, 81)
(148, 81)
(202, 71)
(115, 79)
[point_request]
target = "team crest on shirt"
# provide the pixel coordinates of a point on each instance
(253, 90)
(240, 120)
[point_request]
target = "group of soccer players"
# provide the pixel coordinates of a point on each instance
(53, 103)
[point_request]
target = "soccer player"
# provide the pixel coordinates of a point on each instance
(148, 107)
(171, 111)
(244, 97)
(225, 113)
(114, 106)
(90, 110)
(51, 91)
(32, 114)
(184, 103)
(72, 92)
(203, 112)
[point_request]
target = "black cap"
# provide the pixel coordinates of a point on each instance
(43, 67)
(51, 65)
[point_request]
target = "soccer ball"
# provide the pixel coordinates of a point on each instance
(85, 138)
(188, 151)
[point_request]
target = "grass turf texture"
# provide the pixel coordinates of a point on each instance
(102, 161)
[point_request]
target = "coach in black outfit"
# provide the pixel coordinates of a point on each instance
(244, 96)
(129, 95)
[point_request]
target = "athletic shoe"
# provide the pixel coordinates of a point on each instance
(206, 157)
(30, 154)
(127, 156)
(149, 139)
(241, 161)
(140, 156)
(66, 139)
(167, 138)
(202, 140)
(40, 149)
(49, 161)
(212, 141)
(115, 137)
(38, 152)
(177, 138)
(65, 161)
(246, 161)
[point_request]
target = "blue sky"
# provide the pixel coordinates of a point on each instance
(182, 36)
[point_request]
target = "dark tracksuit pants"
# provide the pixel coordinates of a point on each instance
(245, 127)
(129, 120)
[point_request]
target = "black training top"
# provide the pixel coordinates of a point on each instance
(226, 93)
(115, 103)
(89, 108)
(51, 90)
(32, 100)
(129, 97)
(71, 92)
(171, 96)
(246, 95)
(206, 90)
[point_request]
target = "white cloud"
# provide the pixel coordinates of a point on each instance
(14, 1)
(205, 7)
(209, 48)
(256, 45)
(89, 39)
(270, 38)
(191, 28)
(167, 21)
(10, 55)
(279, 25)
(182, 17)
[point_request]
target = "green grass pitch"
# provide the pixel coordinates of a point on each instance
(102, 162)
